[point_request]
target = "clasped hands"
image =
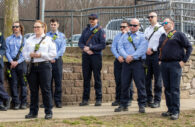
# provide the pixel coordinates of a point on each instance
(87, 50)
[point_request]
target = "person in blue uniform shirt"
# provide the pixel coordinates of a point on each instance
(118, 64)
(132, 47)
(152, 34)
(92, 42)
(57, 63)
(3, 94)
(39, 50)
(17, 66)
(175, 50)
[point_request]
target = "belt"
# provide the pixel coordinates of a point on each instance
(40, 63)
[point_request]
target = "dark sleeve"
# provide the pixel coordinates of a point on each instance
(161, 39)
(102, 44)
(2, 47)
(184, 42)
(81, 40)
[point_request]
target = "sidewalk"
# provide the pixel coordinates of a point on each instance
(91, 110)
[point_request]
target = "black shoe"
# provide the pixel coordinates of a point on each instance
(166, 114)
(174, 116)
(30, 116)
(8, 103)
(23, 106)
(59, 105)
(84, 103)
(48, 116)
(120, 109)
(16, 106)
(115, 103)
(3, 108)
(98, 103)
(155, 105)
(42, 106)
(142, 109)
(149, 104)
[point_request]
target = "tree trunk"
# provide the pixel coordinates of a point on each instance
(11, 15)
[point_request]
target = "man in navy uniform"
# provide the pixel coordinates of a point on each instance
(3, 94)
(133, 46)
(92, 42)
(175, 50)
(57, 63)
(118, 64)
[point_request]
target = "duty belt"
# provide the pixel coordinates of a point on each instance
(40, 63)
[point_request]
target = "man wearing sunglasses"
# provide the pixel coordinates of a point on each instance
(92, 42)
(132, 47)
(3, 94)
(17, 65)
(175, 50)
(118, 64)
(152, 34)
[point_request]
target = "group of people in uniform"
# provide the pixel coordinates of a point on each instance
(43, 52)
(159, 52)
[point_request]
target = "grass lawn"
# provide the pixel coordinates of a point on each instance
(187, 119)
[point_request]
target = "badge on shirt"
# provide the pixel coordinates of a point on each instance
(43, 42)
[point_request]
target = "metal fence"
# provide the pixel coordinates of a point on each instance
(74, 21)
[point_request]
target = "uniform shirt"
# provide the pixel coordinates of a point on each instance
(2, 49)
(13, 44)
(126, 48)
(154, 40)
(47, 48)
(60, 42)
(97, 43)
(114, 47)
(173, 50)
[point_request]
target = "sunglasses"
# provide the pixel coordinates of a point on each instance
(165, 23)
(92, 18)
(123, 26)
(133, 25)
(15, 26)
(151, 17)
(37, 27)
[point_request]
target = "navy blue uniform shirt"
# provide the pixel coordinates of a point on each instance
(173, 50)
(97, 43)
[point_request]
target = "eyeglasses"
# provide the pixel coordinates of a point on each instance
(92, 18)
(133, 25)
(123, 26)
(15, 26)
(37, 27)
(165, 23)
(151, 17)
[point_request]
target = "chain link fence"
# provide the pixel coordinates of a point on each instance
(74, 21)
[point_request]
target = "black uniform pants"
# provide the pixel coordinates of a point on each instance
(92, 63)
(17, 77)
(40, 76)
(3, 94)
(153, 69)
(57, 77)
(133, 70)
(117, 76)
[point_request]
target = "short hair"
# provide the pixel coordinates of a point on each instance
(21, 27)
(125, 21)
(169, 19)
(43, 24)
(54, 20)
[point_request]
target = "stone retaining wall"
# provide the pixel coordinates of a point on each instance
(72, 83)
